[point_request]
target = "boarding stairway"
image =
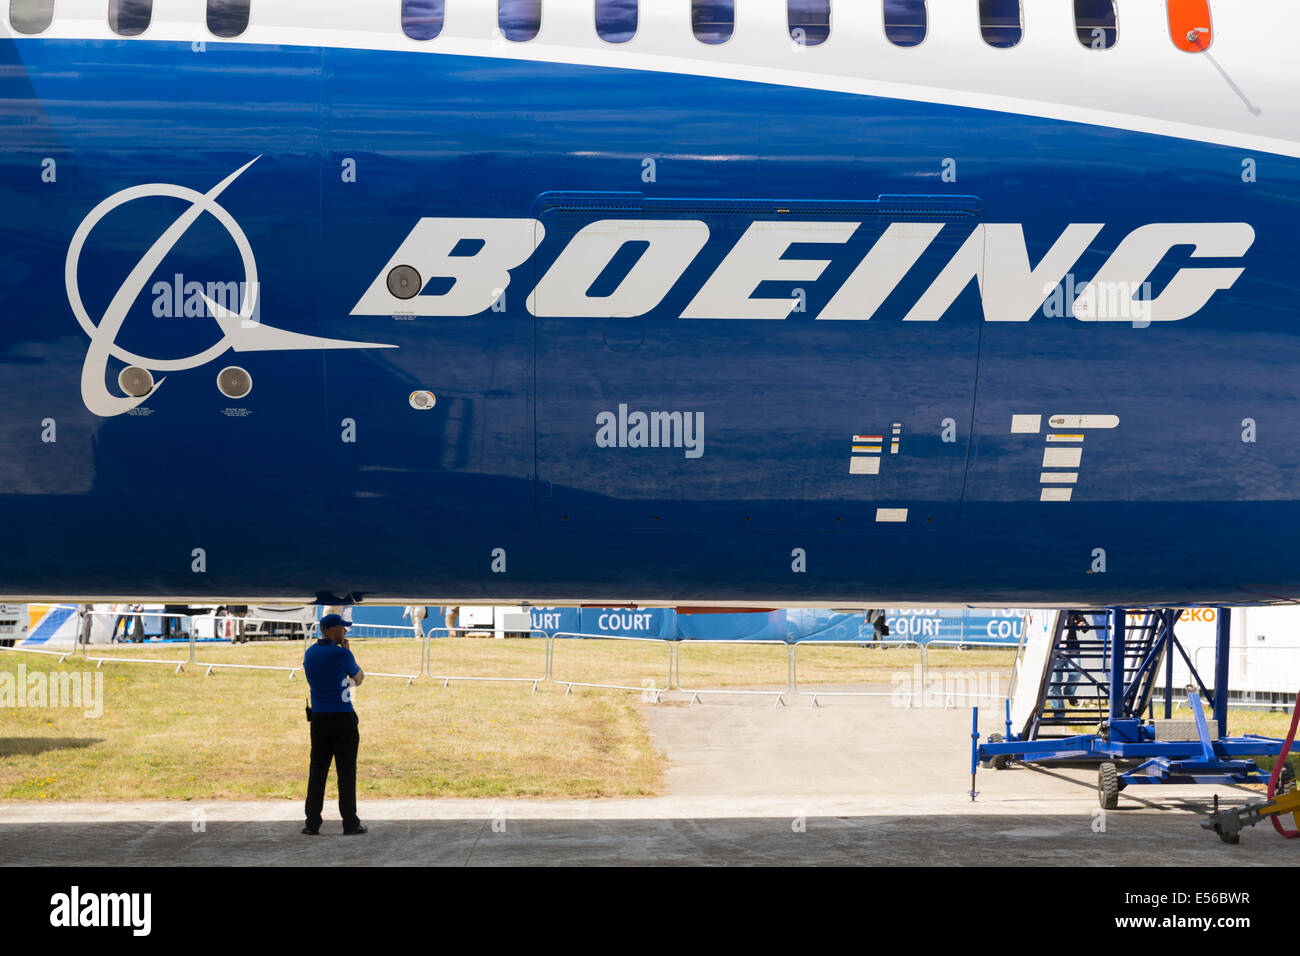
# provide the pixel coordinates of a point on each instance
(1075, 696)
(1113, 672)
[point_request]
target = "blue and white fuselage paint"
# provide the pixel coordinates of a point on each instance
(325, 310)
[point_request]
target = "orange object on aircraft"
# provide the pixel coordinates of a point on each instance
(1190, 26)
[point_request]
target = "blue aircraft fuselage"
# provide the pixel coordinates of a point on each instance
(662, 337)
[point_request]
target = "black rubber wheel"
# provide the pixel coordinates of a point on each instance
(1108, 786)
(1000, 761)
(1285, 780)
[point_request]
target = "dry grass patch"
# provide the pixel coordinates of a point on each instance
(242, 734)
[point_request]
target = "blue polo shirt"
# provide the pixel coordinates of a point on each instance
(328, 666)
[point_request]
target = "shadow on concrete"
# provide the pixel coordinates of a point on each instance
(14, 746)
(1142, 839)
(1129, 798)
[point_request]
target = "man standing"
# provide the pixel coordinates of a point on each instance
(118, 618)
(332, 672)
(86, 613)
(238, 611)
(1065, 674)
(416, 614)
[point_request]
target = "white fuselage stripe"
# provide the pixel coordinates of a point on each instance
(1243, 92)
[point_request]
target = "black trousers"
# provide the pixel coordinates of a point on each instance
(333, 737)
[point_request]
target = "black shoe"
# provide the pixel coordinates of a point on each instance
(311, 831)
(353, 831)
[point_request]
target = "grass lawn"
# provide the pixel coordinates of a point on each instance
(241, 734)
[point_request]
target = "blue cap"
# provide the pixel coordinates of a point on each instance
(333, 620)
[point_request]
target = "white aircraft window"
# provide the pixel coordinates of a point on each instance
(905, 22)
(228, 18)
(1000, 22)
(520, 20)
(1095, 23)
(713, 20)
(616, 20)
(129, 18)
(422, 19)
(31, 16)
(810, 21)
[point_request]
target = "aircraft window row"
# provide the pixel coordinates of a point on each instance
(712, 21)
(130, 18)
(1001, 22)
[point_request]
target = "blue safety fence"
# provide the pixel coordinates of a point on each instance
(790, 624)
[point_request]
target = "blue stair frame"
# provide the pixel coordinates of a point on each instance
(1115, 666)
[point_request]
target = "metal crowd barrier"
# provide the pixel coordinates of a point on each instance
(231, 622)
(424, 668)
(570, 684)
(379, 632)
(369, 632)
(695, 693)
(812, 642)
(387, 632)
(1283, 672)
(961, 645)
(61, 655)
(100, 659)
(434, 633)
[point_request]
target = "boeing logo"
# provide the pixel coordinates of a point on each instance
(993, 255)
(240, 332)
